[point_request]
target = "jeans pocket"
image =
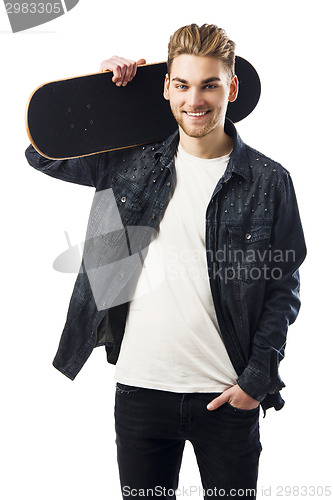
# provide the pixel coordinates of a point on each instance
(241, 411)
(126, 389)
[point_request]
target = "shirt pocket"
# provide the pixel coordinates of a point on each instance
(128, 196)
(248, 248)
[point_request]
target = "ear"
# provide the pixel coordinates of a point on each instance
(166, 87)
(233, 91)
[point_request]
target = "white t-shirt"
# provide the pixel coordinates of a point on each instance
(171, 340)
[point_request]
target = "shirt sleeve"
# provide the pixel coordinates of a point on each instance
(83, 170)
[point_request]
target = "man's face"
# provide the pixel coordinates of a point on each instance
(199, 90)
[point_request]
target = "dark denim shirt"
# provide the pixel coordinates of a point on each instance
(254, 247)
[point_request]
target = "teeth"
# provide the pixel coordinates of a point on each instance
(197, 114)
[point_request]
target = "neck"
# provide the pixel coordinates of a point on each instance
(213, 145)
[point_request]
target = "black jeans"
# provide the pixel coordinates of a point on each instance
(152, 427)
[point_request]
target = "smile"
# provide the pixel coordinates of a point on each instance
(196, 114)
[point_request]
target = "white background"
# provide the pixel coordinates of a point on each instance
(57, 435)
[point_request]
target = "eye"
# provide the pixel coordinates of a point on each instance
(210, 86)
(181, 86)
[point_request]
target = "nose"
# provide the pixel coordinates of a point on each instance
(195, 98)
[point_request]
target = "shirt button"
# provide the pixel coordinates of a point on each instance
(248, 236)
(123, 199)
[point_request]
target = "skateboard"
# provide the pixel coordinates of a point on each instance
(89, 114)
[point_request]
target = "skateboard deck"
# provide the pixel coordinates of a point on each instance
(89, 114)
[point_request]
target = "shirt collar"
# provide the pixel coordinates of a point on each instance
(238, 162)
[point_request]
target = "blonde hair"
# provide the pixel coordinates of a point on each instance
(206, 40)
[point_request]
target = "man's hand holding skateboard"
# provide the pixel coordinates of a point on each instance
(124, 70)
(81, 116)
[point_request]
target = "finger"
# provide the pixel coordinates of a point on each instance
(117, 75)
(131, 72)
(116, 65)
(126, 69)
(140, 62)
(219, 401)
(134, 67)
(120, 77)
(127, 73)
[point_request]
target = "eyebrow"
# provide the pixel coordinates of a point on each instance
(208, 80)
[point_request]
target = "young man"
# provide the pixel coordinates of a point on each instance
(199, 351)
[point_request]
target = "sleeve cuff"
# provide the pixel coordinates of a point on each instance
(257, 385)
